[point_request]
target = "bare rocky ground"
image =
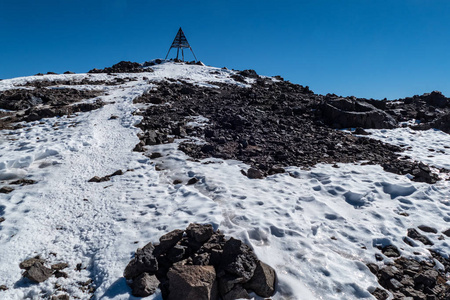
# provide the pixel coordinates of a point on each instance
(274, 124)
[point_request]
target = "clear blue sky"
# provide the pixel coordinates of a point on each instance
(366, 48)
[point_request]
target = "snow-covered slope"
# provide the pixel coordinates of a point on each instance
(317, 228)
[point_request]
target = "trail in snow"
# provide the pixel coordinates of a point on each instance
(317, 228)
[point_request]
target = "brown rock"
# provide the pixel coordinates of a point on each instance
(253, 173)
(6, 190)
(200, 233)
(192, 283)
(144, 285)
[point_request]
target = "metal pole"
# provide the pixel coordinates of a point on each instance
(178, 51)
(168, 53)
(182, 53)
(193, 53)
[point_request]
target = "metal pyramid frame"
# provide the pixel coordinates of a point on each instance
(180, 42)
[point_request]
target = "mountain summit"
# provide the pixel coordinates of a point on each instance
(344, 198)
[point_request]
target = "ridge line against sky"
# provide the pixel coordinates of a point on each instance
(371, 49)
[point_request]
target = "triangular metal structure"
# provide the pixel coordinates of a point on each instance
(180, 42)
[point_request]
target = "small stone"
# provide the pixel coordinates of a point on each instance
(193, 180)
(155, 155)
(2, 219)
(253, 173)
(414, 234)
(391, 251)
(61, 297)
(3, 287)
(59, 266)
(427, 229)
(59, 274)
(446, 232)
(38, 273)
(6, 190)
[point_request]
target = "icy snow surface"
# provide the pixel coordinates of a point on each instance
(316, 227)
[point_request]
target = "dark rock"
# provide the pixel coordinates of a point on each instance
(59, 274)
(23, 182)
(61, 297)
(253, 173)
(360, 131)
(263, 280)
(6, 190)
(427, 229)
(390, 251)
(59, 266)
(28, 263)
(380, 294)
(238, 259)
(144, 285)
(3, 288)
(427, 278)
(446, 232)
(170, 239)
(198, 232)
(192, 181)
(415, 235)
(155, 155)
(38, 273)
(99, 179)
(176, 253)
(143, 261)
(237, 292)
(192, 283)
(123, 67)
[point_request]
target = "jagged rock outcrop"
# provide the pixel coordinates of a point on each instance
(351, 113)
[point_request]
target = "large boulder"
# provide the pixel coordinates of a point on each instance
(192, 283)
(351, 113)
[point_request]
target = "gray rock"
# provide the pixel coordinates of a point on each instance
(192, 283)
(38, 273)
(263, 280)
(144, 285)
(143, 261)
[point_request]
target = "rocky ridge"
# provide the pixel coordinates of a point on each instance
(273, 124)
